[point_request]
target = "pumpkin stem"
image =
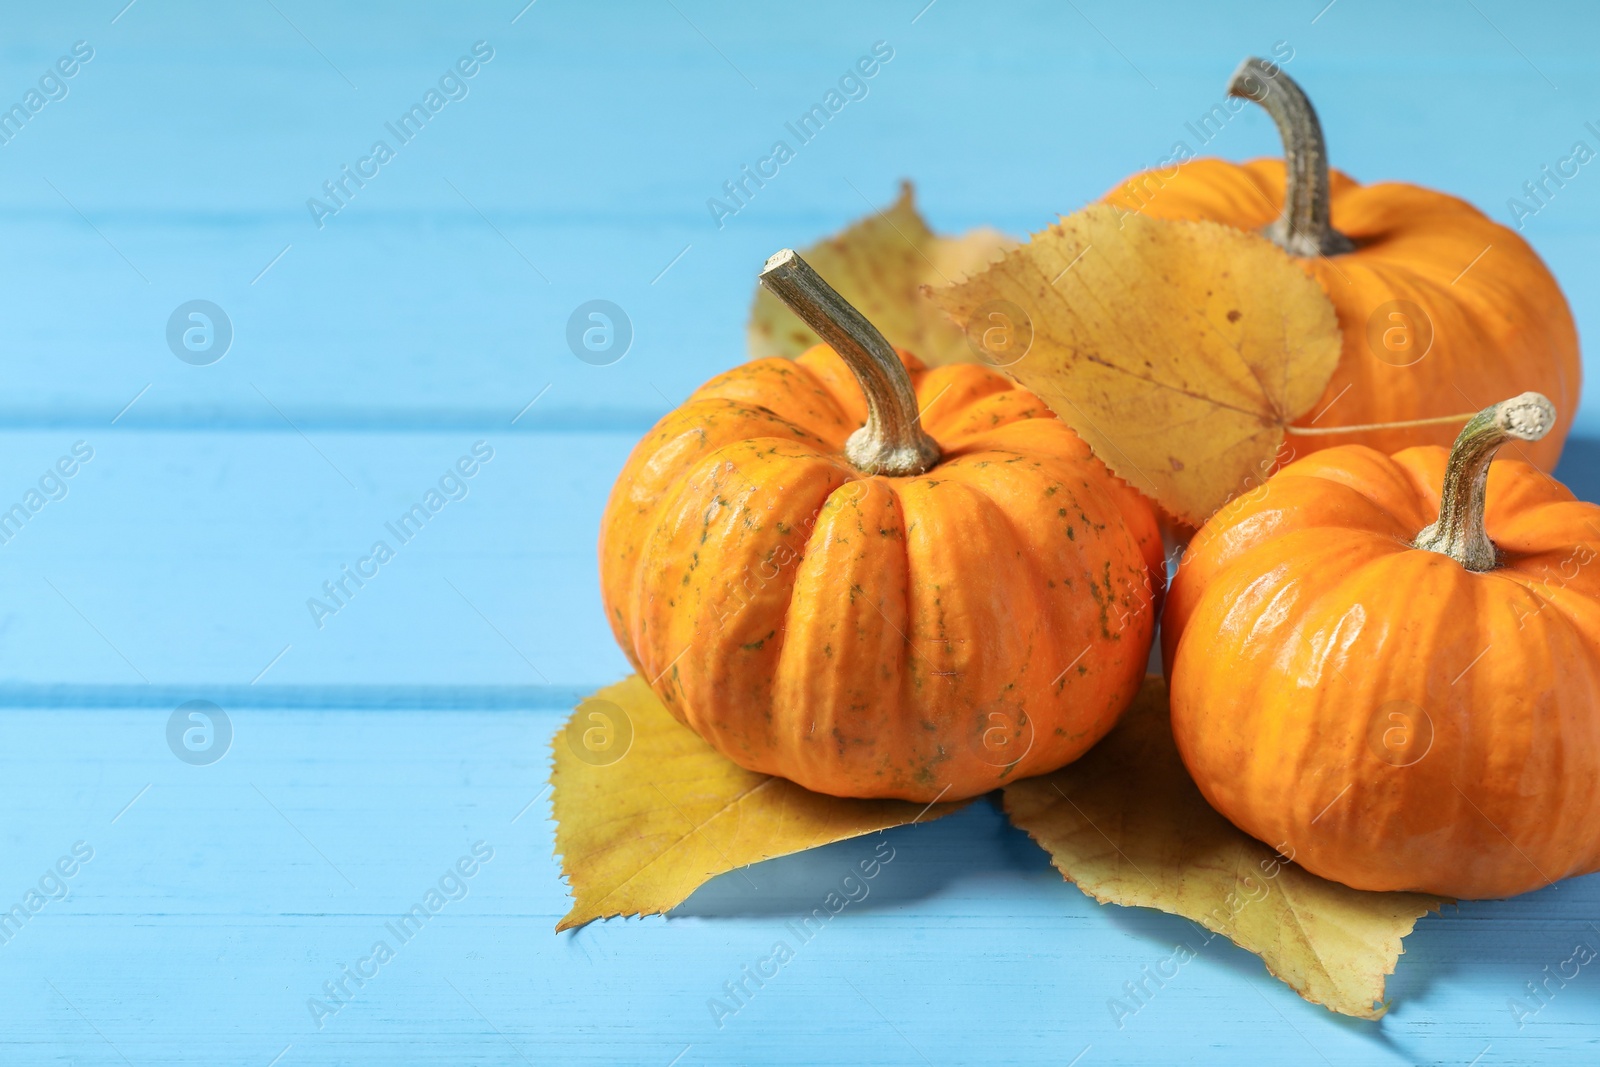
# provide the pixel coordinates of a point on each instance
(1459, 533)
(893, 441)
(1305, 228)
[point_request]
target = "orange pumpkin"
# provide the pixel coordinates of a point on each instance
(1442, 309)
(1388, 667)
(826, 591)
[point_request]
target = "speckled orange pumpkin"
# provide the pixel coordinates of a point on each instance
(1442, 309)
(1388, 667)
(826, 591)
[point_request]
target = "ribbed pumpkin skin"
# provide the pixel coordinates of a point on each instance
(859, 635)
(1300, 614)
(1500, 328)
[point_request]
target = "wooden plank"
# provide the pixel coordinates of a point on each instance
(188, 560)
(221, 900)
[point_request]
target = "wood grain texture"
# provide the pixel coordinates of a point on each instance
(217, 905)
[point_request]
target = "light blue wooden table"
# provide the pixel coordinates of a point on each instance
(374, 345)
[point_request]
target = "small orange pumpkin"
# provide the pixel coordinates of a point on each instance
(1388, 667)
(826, 591)
(1441, 308)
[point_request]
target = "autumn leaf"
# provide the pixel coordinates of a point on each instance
(646, 812)
(880, 264)
(1179, 350)
(1128, 825)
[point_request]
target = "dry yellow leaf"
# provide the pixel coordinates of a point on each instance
(1178, 350)
(1128, 825)
(881, 264)
(646, 812)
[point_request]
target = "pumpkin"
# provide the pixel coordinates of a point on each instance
(829, 586)
(1388, 666)
(1442, 310)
